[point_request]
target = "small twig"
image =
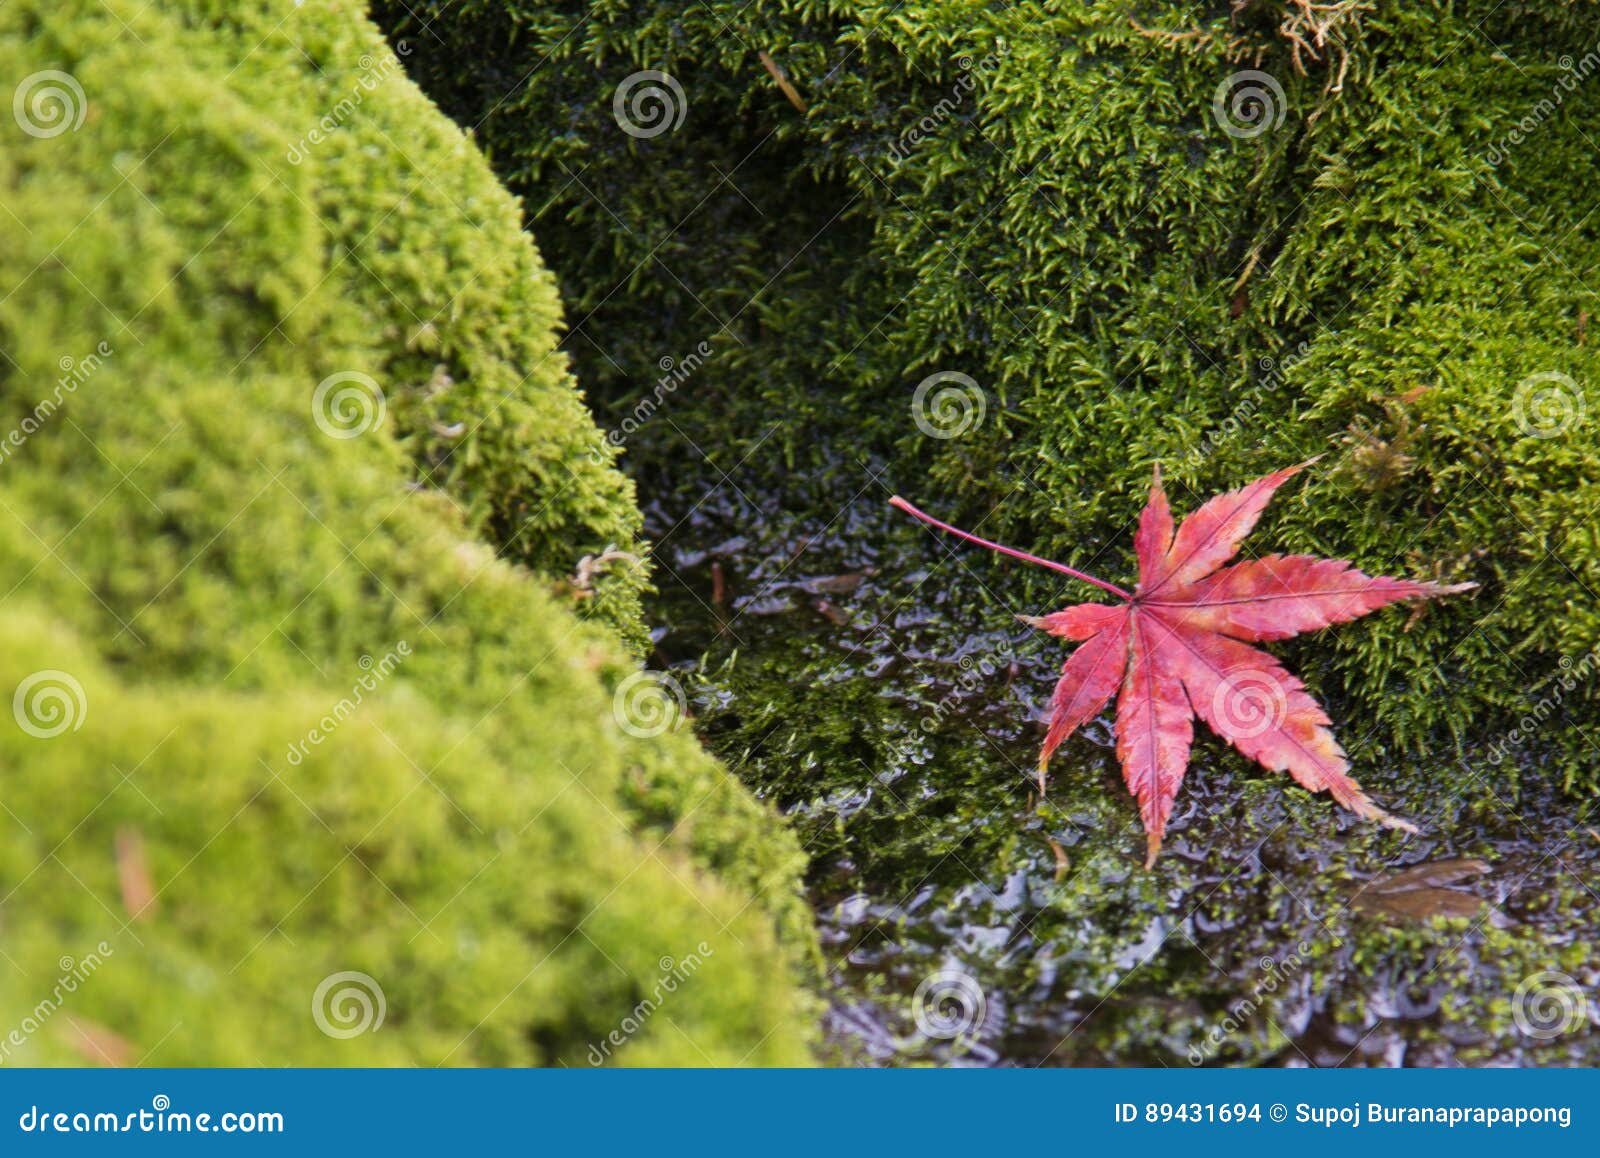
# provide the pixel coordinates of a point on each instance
(133, 875)
(1249, 268)
(590, 566)
(1194, 36)
(783, 81)
(97, 1044)
(1062, 864)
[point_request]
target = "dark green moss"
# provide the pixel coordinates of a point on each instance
(1041, 196)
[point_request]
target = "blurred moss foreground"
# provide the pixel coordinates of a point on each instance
(309, 758)
(1221, 237)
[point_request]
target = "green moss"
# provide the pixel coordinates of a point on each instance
(1040, 196)
(218, 579)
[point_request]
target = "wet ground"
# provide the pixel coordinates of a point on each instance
(870, 680)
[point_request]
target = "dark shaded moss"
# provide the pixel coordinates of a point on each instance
(1041, 196)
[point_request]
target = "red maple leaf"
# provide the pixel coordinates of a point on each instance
(1177, 647)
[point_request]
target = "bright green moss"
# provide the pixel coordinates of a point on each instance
(218, 576)
(1039, 195)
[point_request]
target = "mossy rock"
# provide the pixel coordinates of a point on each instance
(296, 699)
(1390, 267)
(899, 728)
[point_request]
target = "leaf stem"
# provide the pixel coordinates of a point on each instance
(901, 504)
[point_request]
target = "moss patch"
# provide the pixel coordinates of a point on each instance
(897, 718)
(329, 704)
(1396, 271)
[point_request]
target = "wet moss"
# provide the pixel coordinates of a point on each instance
(899, 734)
